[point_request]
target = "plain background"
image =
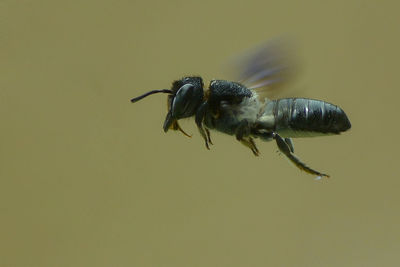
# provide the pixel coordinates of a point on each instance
(89, 179)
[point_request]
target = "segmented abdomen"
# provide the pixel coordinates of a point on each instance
(297, 117)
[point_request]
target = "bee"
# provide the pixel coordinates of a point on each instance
(237, 108)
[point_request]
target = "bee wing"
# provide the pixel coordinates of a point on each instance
(267, 68)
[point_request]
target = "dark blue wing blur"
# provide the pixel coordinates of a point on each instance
(266, 68)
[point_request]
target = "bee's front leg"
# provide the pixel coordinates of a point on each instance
(200, 114)
(243, 135)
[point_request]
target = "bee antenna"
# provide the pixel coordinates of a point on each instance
(166, 91)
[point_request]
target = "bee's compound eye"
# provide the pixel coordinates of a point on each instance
(185, 91)
(182, 100)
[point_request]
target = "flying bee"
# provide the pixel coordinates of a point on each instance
(237, 109)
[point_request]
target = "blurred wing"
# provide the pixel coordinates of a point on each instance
(266, 68)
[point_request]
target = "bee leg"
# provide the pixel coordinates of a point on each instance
(201, 112)
(253, 144)
(208, 135)
(289, 142)
(248, 142)
(242, 135)
(286, 149)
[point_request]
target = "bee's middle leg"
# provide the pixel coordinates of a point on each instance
(243, 136)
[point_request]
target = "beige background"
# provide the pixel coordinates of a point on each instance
(89, 179)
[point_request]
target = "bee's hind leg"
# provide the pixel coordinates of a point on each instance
(289, 142)
(243, 136)
(286, 147)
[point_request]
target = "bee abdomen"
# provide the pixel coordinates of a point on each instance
(308, 117)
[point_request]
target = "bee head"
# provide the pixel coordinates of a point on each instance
(184, 98)
(183, 102)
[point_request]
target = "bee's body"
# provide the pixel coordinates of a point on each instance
(235, 109)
